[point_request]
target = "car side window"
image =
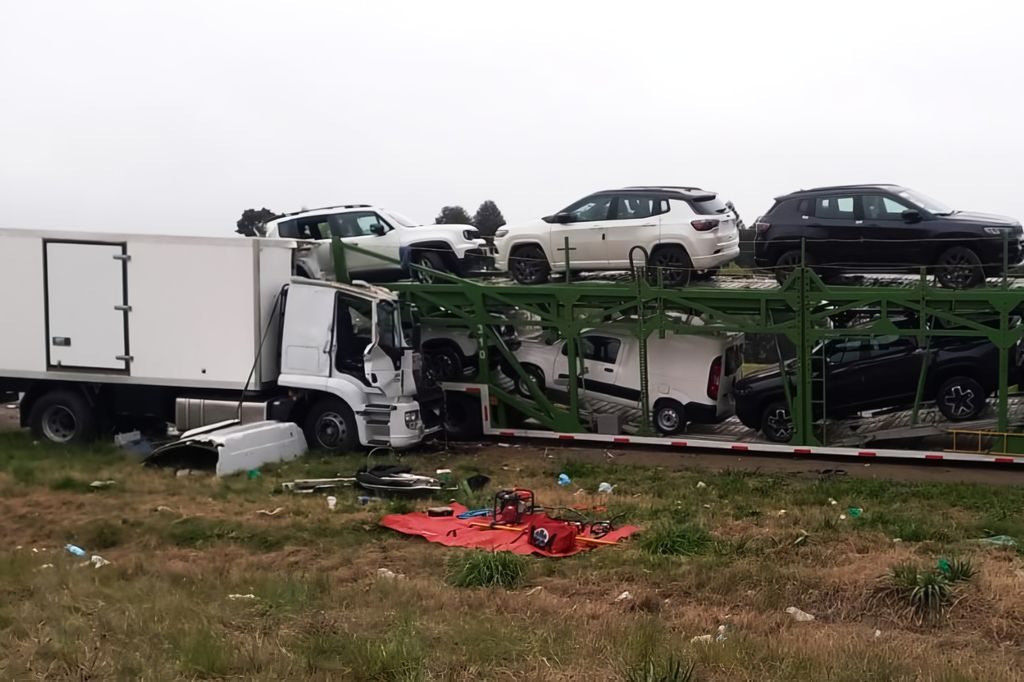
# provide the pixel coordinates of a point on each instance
(600, 348)
(881, 346)
(632, 207)
(287, 230)
(356, 224)
(834, 208)
(313, 228)
(845, 351)
(878, 207)
(590, 209)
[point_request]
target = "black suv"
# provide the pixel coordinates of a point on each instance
(883, 228)
(878, 372)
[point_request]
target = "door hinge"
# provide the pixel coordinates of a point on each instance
(125, 358)
(123, 308)
(122, 257)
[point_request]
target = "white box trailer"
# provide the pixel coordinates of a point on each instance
(140, 309)
(132, 331)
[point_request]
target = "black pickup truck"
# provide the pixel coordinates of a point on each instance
(878, 372)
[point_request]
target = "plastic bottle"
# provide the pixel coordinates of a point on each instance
(75, 549)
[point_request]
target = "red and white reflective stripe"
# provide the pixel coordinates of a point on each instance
(740, 446)
(619, 439)
(1004, 460)
(802, 451)
(933, 456)
(472, 389)
(864, 453)
(566, 436)
(679, 443)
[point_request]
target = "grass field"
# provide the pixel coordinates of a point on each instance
(720, 554)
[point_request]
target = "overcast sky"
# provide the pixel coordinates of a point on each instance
(174, 116)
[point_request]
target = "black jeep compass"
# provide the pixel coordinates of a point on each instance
(884, 228)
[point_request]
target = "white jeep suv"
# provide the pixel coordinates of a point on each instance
(457, 249)
(686, 232)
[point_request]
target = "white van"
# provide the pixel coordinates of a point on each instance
(690, 376)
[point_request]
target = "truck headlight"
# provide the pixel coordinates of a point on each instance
(500, 233)
(412, 419)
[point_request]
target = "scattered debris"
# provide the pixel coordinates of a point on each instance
(332, 502)
(389, 574)
(802, 538)
(707, 506)
(832, 502)
(609, 455)
(534, 590)
(241, 596)
(164, 508)
(855, 512)
(46, 566)
(878, 633)
(76, 550)
(275, 512)
(897, 539)
(604, 487)
(439, 511)
(366, 499)
(253, 474)
(579, 491)
(798, 615)
(182, 473)
(625, 596)
(315, 485)
(701, 485)
(842, 517)
(701, 639)
(233, 449)
(564, 480)
(101, 484)
(999, 541)
(504, 445)
(97, 561)
(781, 512)
(477, 482)
(719, 636)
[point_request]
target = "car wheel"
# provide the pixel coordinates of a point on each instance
(673, 264)
(959, 268)
(960, 399)
(777, 422)
(534, 374)
(669, 417)
(428, 259)
(446, 362)
(63, 417)
(529, 265)
(789, 261)
(331, 427)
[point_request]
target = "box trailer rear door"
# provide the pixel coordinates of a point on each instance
(86, 305)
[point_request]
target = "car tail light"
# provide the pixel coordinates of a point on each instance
(704, 225)
(762, 226)
(715, 378)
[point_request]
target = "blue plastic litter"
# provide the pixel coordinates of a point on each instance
(564, 480)
(74, 549)
(473, 513)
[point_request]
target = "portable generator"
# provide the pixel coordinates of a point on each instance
(511, 505)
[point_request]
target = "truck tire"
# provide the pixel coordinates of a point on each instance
(669, 417)
(777, 422)
(674, 264)
(428, 259)
(331, 427)
(959, 267)
(63, 417)
(960, 399)
(529, 265)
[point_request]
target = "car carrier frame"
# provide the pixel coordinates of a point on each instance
(802, 309)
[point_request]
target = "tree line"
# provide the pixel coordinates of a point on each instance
(487, 219)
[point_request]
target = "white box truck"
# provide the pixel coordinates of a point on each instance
(114, 331)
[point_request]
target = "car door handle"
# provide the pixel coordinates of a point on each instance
(609, 370)
(648, 225)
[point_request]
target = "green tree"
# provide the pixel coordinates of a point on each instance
(488, 218)
(253, 221)
(453, 215)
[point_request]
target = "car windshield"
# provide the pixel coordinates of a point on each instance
(400, 219)
(927, 203)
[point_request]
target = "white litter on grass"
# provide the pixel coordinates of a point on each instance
(832, 502)
(781, 512)
(97, 561)
(878, 633)
(270, 513)
(701, 485)
(389, 574)
(534, 590)
(101, 484)
(842, 517)
(701, 639)
(625, 596)
(46, 566)
(241, 596)
(332, 502)
(798, 615)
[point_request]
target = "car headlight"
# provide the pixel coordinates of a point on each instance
(412, 419)
(470, 235)
(997, 230)
(500, 233)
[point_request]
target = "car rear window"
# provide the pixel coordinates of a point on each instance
(712, 206)
(287, 229)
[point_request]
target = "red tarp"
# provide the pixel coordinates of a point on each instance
(456, 532)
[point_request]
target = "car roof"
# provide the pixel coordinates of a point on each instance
(321, 210)
(844, 188)
(666, 191)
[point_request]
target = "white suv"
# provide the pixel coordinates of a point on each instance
(685, 230)
(457, 249)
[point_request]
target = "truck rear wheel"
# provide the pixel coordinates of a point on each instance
(669, 417)
(960, 399)
(331, 427)
(63, 417)
(777, 422)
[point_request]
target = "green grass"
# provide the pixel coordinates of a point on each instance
(477, 568)
(672, 538)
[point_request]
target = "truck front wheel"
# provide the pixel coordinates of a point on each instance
(64, 417)
(331, 427)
